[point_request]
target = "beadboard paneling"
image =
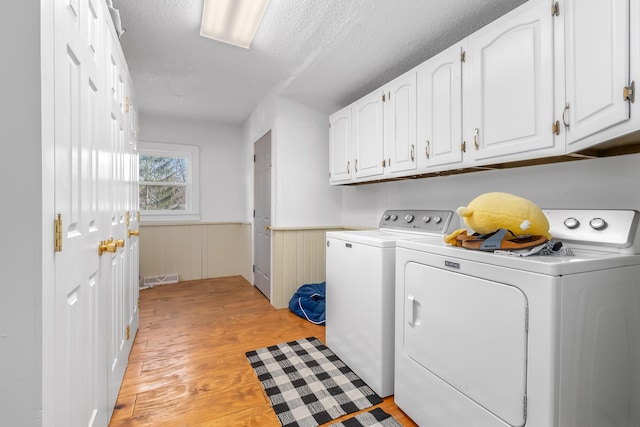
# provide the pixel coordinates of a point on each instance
(196, 251)
(298, 257)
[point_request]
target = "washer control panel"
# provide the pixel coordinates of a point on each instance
(427, 221)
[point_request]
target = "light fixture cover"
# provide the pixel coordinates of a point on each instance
(232, 21)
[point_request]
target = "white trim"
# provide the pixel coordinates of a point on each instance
(192, 154)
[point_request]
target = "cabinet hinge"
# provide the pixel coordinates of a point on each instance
(629, 92)
(555, 9)
(384, 163)
(128, 332)
(383, 97)
(57, 234)
(126, 105)
(127, 218)
(254, 158)
(463, 55)
(555, 127)
(463, 146)
(254, 213)
(253, 268)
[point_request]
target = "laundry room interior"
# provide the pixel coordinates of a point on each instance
(181, 189)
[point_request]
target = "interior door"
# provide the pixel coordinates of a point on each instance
(471, 333)
(115, 262)
(79, 341)
(262, 215)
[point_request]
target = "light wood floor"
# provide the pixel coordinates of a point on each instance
(188, 366)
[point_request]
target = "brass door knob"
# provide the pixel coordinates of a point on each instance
(107, 246)
(119, 243)
(133, 233)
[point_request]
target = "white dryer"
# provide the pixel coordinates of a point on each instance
(494, 340)
(360, 277)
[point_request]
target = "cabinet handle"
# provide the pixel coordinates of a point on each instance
(348, 168)
(475, 138)
(413, 153)
(426, 149)
(564, 116)
(355, 166)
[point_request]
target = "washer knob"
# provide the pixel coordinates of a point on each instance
(394, 217)
(571, 223)
(437, 219)
(385, 217)
(598, 224)
(408, 218)
(426, 218)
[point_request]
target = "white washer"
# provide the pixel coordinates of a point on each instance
(489, 340)
(360, 277)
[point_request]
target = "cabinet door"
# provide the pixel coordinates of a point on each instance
(597, 66)
(366, 115)
(340, 163)
(400, 124)
(509, 83)
(440, 110)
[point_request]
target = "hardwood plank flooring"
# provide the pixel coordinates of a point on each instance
(188, 367)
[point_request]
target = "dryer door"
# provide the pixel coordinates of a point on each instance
(471, 333)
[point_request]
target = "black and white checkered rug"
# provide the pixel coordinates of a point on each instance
(374, 418)
(307, 384)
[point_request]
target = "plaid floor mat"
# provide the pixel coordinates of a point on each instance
(307, 384)
(374, 418)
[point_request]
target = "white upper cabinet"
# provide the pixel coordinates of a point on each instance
(439, 109)
(508, 88)
(399, 98)
(546, 79)
(596, 56)
(340, 162)
(368, 142)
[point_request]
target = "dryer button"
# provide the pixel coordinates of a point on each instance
(571, 223)
(598, 224)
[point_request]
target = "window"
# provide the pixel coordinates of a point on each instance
(168, 186)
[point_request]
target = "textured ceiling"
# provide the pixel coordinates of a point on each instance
(322, 53)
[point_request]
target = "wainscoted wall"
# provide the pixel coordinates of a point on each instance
(196, 250)
(298, 257)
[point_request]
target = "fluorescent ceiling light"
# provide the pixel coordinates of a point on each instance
(232, 21)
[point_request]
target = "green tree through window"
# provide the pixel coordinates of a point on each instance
(163, 183)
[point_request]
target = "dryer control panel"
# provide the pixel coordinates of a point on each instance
(427, 221)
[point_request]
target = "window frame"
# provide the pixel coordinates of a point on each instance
(192, 155)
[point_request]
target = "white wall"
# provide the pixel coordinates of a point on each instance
(301, 195)
(598, 183)
(223, 162)
(21, 218)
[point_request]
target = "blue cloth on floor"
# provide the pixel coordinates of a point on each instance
(308, 302)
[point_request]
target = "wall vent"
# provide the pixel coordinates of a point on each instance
(150, 282)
